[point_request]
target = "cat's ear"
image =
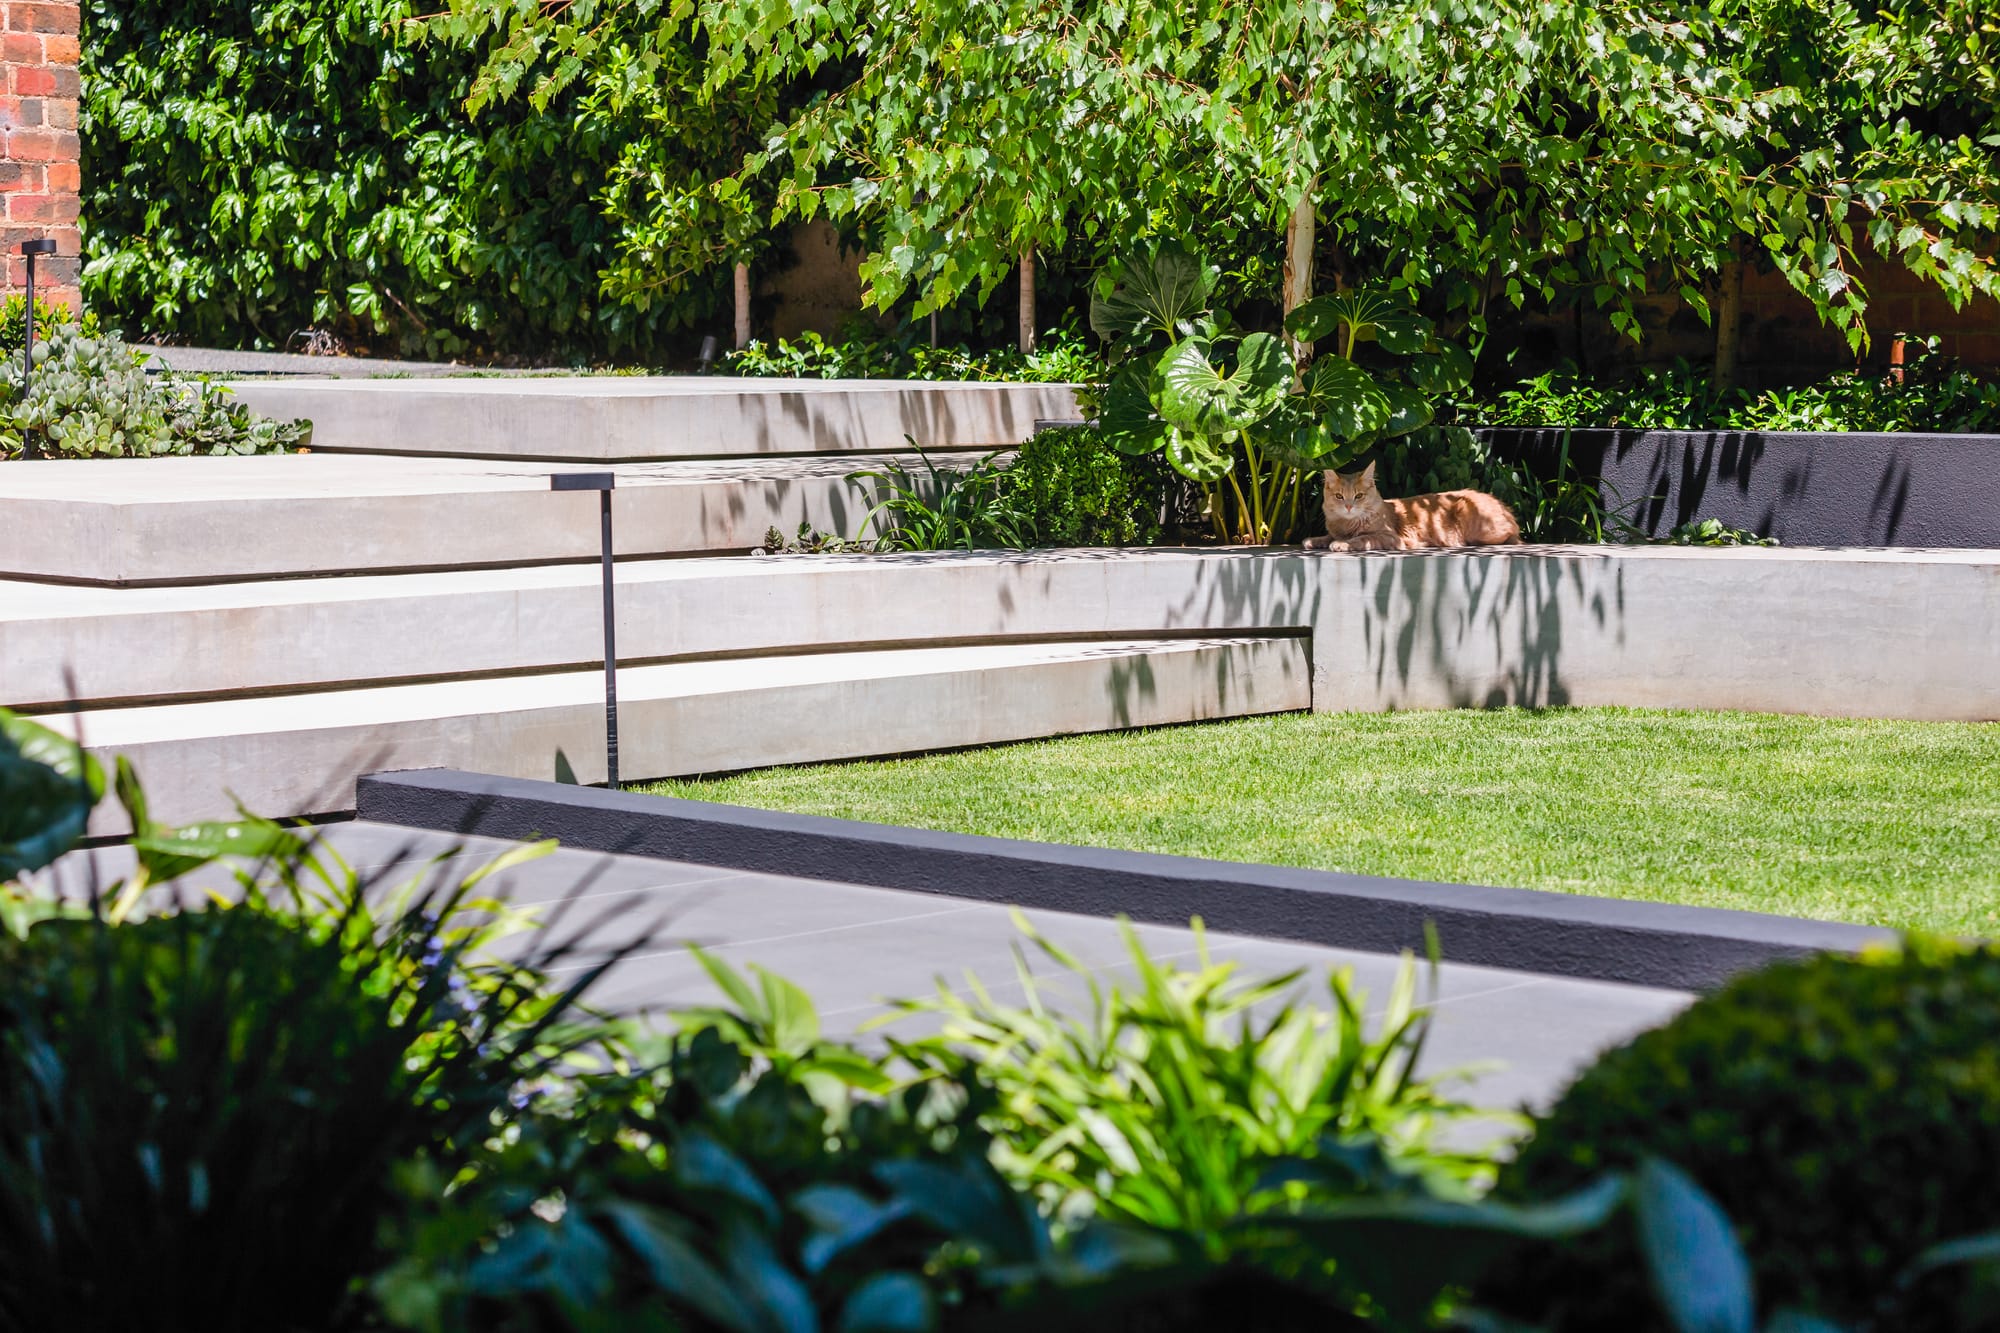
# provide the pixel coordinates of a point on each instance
(1368, 475)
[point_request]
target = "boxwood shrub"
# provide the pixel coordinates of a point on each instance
(1079, 491)
(1845, 1112)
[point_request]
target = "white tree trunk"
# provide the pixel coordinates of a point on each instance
(1299, 261)
(742, 306)
(1028, 300)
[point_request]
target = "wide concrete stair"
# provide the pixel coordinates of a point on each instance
(412, 594)
(455, 474)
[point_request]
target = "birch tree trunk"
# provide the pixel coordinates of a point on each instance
(1298, 279)
(1027, 300)
(742, 306)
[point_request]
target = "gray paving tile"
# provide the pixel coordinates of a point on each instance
(854, 946)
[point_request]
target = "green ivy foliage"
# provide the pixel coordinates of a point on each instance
(1845, 1112)
(255, 170)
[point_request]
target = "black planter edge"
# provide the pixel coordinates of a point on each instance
(1603, 939)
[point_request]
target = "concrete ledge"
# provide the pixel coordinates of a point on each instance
(138, 644)
(615, 419)
(300, 754)
(1650, 944)
(1842, 633)
(147, 521)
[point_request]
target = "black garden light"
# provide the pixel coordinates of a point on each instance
(602, 483)
(30, 250)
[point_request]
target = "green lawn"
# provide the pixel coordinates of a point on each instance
(1890, 823)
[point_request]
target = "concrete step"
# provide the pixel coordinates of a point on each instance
(205, 520)
(300, 754)
(613, 419)
(100, 644)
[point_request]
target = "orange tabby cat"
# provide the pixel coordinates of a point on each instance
(1359, 519)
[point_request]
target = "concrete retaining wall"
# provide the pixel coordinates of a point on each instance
(1806, 489)
(1839, 633)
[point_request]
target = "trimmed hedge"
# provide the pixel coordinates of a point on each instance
(1078, 491)
(1845, 1112)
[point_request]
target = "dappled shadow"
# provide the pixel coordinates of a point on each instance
(1479, 628)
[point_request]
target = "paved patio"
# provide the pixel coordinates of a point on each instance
(852, 946)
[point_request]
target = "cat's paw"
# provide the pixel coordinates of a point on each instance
(1318, 543)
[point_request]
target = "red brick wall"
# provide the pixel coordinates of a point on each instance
(38, 143)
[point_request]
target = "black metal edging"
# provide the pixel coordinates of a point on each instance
(1651, 944)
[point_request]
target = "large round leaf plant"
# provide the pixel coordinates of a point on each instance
(1241, 414)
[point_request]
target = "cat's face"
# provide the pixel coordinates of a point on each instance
(1351, 495)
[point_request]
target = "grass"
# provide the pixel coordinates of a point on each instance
(1886, 823)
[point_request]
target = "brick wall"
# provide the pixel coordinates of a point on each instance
(38, 144)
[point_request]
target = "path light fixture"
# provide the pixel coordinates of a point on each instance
(707, 355)
(602, 483)
(30, 250)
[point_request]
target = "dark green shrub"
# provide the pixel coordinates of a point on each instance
(255, 170)
(199, 1113)
(864, 352)
(1076, 490)
(1844, 1112)
(1932, 393)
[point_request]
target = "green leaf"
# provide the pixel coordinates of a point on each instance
(1445, 369)
(1404, 1251)
(676, 1267)
(1366, 315)
(841, 1217)
(1197, 394)
(1127, 420)
(167, 853)
(1197, 457)
(1165, 292)
(1349, 401)
(1409, 409)
(889, 1303)
(48, 785)
(1697, 1268)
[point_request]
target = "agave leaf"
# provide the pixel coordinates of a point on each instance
(1165, 292)
(889, 1303)
(47, 788)
(1697, 1267)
